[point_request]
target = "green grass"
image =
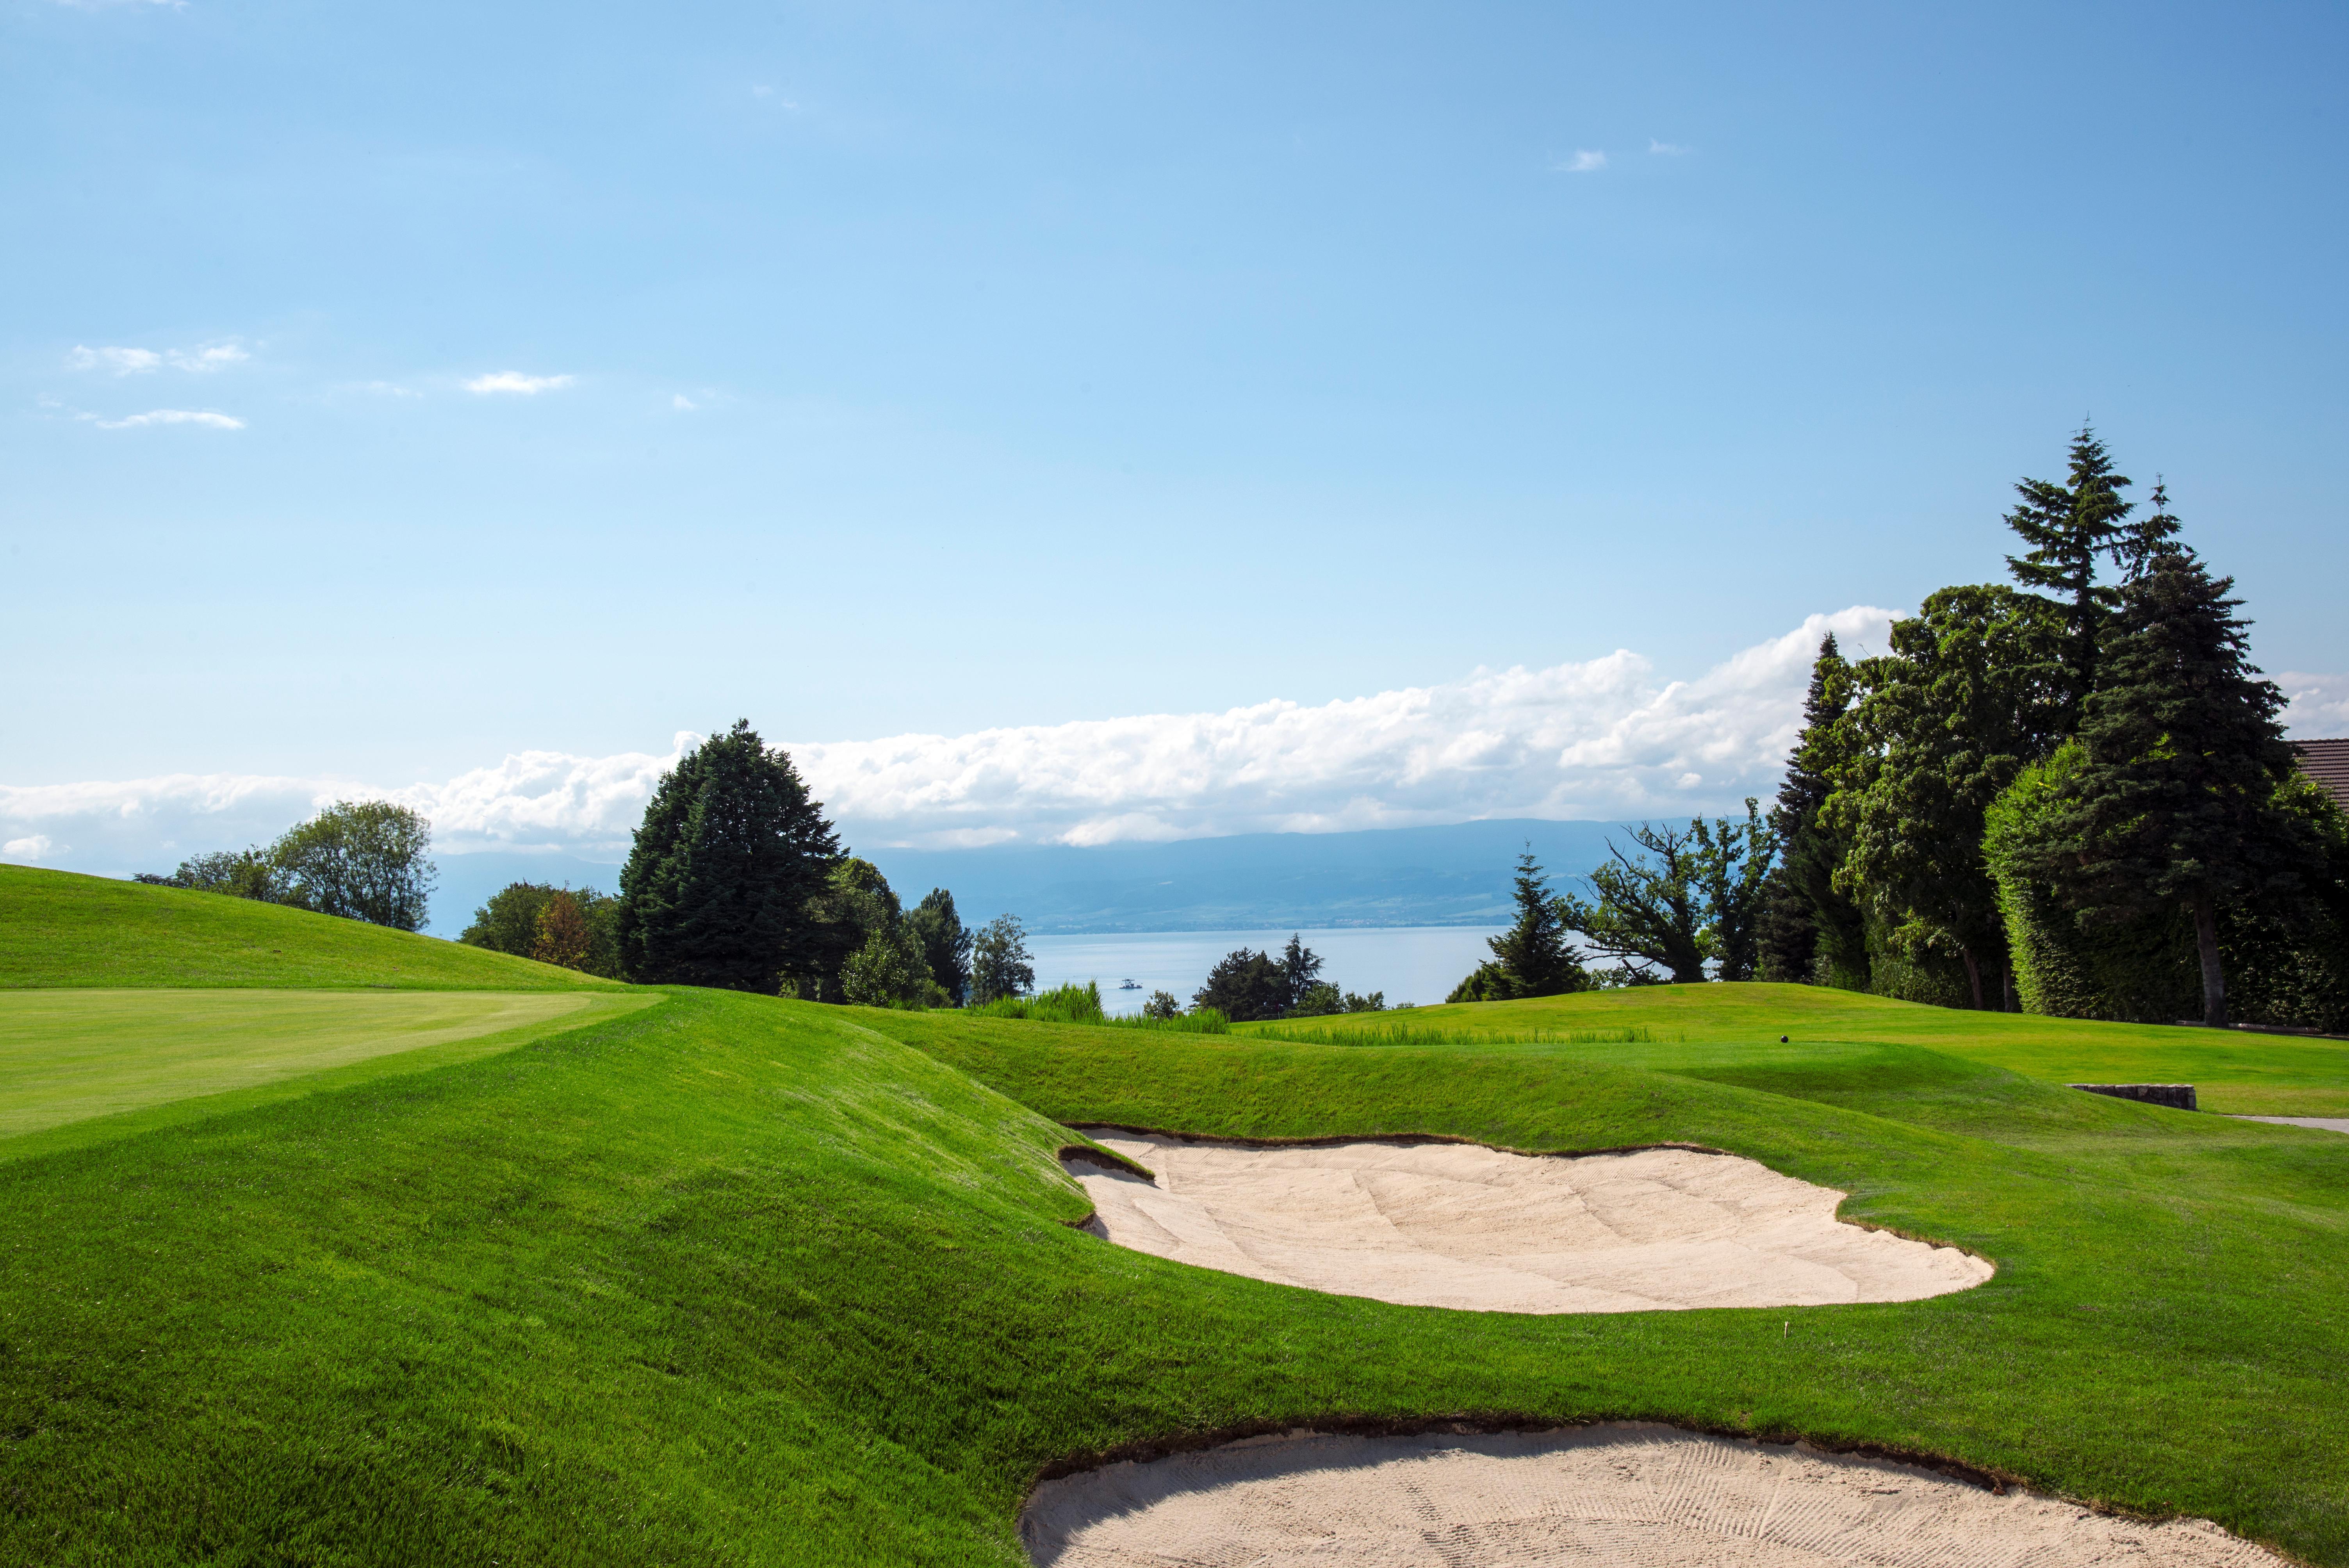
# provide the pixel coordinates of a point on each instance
(61, 929)
(2262, 1075)
(69, 1055)
(737, 1280)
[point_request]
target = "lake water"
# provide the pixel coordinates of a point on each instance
(1411, 964)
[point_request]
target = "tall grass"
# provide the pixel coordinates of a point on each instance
(1315, 1033)
(1075, 1004)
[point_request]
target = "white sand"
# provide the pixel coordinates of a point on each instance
(1458, 1225)
(1624, 1495)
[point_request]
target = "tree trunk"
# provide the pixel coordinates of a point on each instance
(2214, 980)
(1974, 974)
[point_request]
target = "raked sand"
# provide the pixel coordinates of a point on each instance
(1459, 1225)
(1630, 1495)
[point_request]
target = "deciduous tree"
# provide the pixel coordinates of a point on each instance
(361, 860)
(999, 961)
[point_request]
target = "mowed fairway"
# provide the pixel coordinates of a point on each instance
(1730, 1033)
(69, 1055)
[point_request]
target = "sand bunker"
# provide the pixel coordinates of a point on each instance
(1625, 1494)
(1458, 1225)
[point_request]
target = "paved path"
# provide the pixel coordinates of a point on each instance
(2328, 1123)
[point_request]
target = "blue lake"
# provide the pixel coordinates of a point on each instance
(1410, 963)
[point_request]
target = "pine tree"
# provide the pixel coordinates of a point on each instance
(1300, 971)
(1533, 956)
(1808, 931)
(2147, 538)
(2067, 526)
(717, 885)
(2176, 803)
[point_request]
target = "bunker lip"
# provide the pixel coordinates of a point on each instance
(1277, 1454)
(1483, 1423)
(1401, 1139)
(1460, 1225)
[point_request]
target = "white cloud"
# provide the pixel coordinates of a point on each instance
(1582, 162)
(516, 382)
(2317, 707)
(1601, 740)
(683, 404)
(121, 361)
(1665, 148)
(27, 849)
(140, 361)
(211, 356)
(174, 417)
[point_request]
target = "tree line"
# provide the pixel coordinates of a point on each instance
(2070, 794)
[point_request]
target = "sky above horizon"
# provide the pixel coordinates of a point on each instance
(1078, 423)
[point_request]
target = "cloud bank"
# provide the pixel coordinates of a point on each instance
(174, 417)
(1606, 738)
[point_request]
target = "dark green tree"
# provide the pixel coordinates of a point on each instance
(361, 860)
(1971, 694)
(1245, 986)
(240, 873)
(515, 919)
(2176, 804)
(1532, 957)
(1808, 931)
(2146, 539)
(1300, 971)
(946, 944)
(2066, 527)
(1163, 1005)
(999, 962)
(717, 885)
(1648, 912)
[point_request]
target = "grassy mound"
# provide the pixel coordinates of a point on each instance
(1672, 1027)
(742, 1280)
(58, 928)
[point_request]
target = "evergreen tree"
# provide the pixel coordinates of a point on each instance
(2066, 527)
(2176, 803)
(2147, 538)
(717, 885)
(1969, 697)
(946, 944)
(1300, 971)
(1808, 931)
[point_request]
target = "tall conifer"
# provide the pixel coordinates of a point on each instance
(2176, 803)
(1809, 931)
(716, 889)
(2068, 526)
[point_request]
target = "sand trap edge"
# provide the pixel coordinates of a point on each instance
(1216, 1140)
(1234, 1140)
(1997, 1482)
(1989, 1479)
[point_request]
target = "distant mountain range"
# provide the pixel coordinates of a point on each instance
(1457, 875)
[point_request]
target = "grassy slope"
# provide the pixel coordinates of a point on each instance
(61, 929)
(69, 1055)
(741, 1280)
(2253, 1074)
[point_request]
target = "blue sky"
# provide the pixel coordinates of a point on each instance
(387, 390)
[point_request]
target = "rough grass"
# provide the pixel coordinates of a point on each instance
(2250, 1073)
(62, 929)
(741, 1280)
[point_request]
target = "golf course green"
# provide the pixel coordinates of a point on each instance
(731, 1279)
